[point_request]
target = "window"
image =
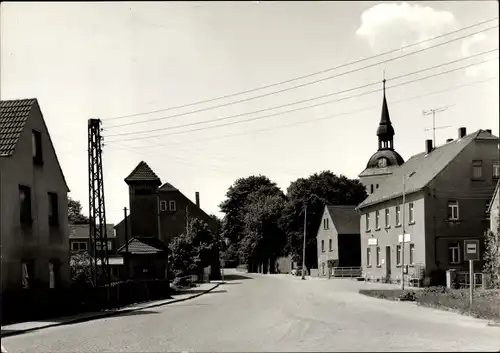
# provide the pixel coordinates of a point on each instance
(98, 245)
(454, 252)
(387, 218)
(412, 254)
(163, 205)
(398, 215)
(477, 169)
(53, 273)
(323, 268)
(53, 209)
(330, 244)
(367, 222)
(378, 256)
(398, 254)
(368, 257)
(36, 147)
(453, 210)
(323, 246)
(78, 245)
(115, 272)
(325, 223)
(377, 186)
(377, 218)
(371, 189)
(171, 206)
(27, 270)
(496, 170)
(25, 203)
(411, 216)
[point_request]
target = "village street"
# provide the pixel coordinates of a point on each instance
(271, 313)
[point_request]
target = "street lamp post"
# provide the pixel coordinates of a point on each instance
(304, 245)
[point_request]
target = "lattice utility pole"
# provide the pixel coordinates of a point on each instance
(97, 214)
(434, 128)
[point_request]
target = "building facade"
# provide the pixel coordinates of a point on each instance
(494, 208)
(338, 239)
(447, 190)
(33, 201)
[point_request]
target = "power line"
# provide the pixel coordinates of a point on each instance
(298, 86)
(298, 102)
(329, 116)
(302, 108)
(304, 76)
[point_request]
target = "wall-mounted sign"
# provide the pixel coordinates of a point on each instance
(407, 238)
(373, 241)
(471, 250)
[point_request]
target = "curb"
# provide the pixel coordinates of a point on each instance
(106, 314)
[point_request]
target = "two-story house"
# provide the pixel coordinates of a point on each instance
(79, 240)
(148, 200)
(446, 189)
(33, 201)
(338, 238)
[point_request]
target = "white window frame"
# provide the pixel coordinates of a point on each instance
(367, 221)
(454, 247)
(170, 207)
(326, 224)
(378, 256)
(398, 215)
(387, 218)
(163, 206)
(496, 170)
(453, 206)
(330, 244)
(322, 245)
(411, 213)
(377, 220)
(98, 245)
(477, 169)
(78, 242)
(368, 257)
(398, 255)
(412, 254)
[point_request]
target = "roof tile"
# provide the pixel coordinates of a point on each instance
(345, 219)
(142, 173)
(144, 246)
(13, 117)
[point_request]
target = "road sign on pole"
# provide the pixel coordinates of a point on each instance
(471, 253)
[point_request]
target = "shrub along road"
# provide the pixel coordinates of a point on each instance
(272, 313)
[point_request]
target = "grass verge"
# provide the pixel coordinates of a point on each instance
(486, 303)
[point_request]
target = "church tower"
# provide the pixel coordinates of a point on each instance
(386, 159)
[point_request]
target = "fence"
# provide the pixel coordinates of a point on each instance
(463, 280)
(346, 272)
(38, 304)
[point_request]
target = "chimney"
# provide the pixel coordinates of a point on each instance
(488, 131)
(197, 199)
(428, 146)
(462, 132)
(449, 140)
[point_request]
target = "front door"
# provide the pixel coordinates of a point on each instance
(388, 262)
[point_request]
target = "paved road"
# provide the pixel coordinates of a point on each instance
(271, 313)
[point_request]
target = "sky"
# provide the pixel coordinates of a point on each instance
(110, 60)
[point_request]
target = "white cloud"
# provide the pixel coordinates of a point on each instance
(387, 26)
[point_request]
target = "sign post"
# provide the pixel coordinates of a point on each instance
(471, 254)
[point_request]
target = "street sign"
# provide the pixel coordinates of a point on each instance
(471, 250)
(407, 238)
(372, 241)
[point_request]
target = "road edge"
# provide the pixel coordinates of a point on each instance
(106, 314)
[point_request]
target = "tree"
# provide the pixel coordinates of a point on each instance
(264, 240)
(492, 256)
(191, 252)
(75, 215)
(236, 201)
(80, 268)
(316, 191)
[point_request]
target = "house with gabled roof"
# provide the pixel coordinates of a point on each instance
(338, 239)
(33, 201)
(446, 191)
(148, 198)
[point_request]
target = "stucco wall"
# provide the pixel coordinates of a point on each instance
(39, 242)
(326, 235)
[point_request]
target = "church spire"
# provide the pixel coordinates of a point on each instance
(385, 131)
